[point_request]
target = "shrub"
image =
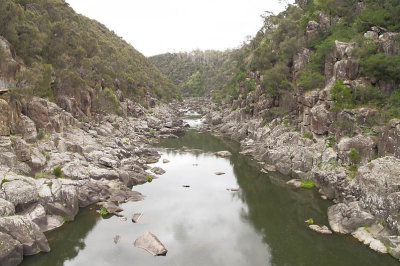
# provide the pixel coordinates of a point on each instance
(308, 135)
(149, 178)
(3, 181)
(41, 174)
(310, 221)
(381, 66)
(352, 171)
(342, 95)
(103, 211)
(354, 156)
(330, 142)
(309, 80)
(57, 171)
(40, 134)
(307, 183)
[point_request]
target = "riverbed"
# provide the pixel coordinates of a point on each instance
(202, 222)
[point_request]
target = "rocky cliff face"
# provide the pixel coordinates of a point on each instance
(9, 65)
(51, 164)
(301, 135)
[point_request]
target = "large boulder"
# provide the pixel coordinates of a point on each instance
(151, 244)
(59, 196)
(346, 219)
(20, 192)
(11, 252)
(21, 149)
(6, 208)
(26, 232)
(27, 128)
(365, 145)
(4, 118)
(389, 43)
(389, 140)
(320, 119)
(377, 184)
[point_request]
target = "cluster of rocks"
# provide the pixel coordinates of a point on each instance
(51, 164)
(313, 141)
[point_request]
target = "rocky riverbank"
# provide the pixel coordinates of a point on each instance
(52, 164)
(366, 199)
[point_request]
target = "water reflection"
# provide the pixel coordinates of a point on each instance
(261, 224)
(66, 242)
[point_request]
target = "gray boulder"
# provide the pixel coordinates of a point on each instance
(151, 244)
(20, 192)
(11, 252)
(26, 232)
(346, 219)
(6, 208)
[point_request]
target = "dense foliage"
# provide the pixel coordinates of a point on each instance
(198, 72)
(79, 52)
(273, 49)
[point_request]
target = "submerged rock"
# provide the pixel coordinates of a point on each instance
(136, 217)
(158, 170)
(117, 238)
(166, 161)
(219, 173)
(320, 229)
(294, 183)
(223, 153)
(151, 244)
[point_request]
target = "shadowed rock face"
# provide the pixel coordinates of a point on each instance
(9, 67)
(26, 232)
(10, 251)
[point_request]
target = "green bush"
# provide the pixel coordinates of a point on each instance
(308, 135)
(307, 183)
(381, 66)
(310, 221)
(149, 178)
(309, 80)
(354, 156)
(40, 134)
(103, 211)
(352, 171)
(330, 142)
(57, 171)
(342, 95)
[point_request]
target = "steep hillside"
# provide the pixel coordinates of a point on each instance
(294, 53)
(67, 54)
(197, 73)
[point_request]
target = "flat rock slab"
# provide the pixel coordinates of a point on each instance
(158, 170)
(165, 161)
(223, 154)
(136, 217)
(151, 244)
(294, 183)
(320, 229)
(219, 173)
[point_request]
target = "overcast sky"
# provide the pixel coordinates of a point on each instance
(160, 26)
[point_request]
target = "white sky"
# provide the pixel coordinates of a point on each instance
(160, 26)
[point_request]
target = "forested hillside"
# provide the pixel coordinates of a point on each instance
(293, 52)
(66, 54)
(198, 72)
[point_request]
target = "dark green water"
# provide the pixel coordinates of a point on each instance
(262, 224)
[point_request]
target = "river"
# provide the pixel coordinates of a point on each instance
(206, 224)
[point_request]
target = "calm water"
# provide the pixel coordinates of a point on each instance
(262, 224)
